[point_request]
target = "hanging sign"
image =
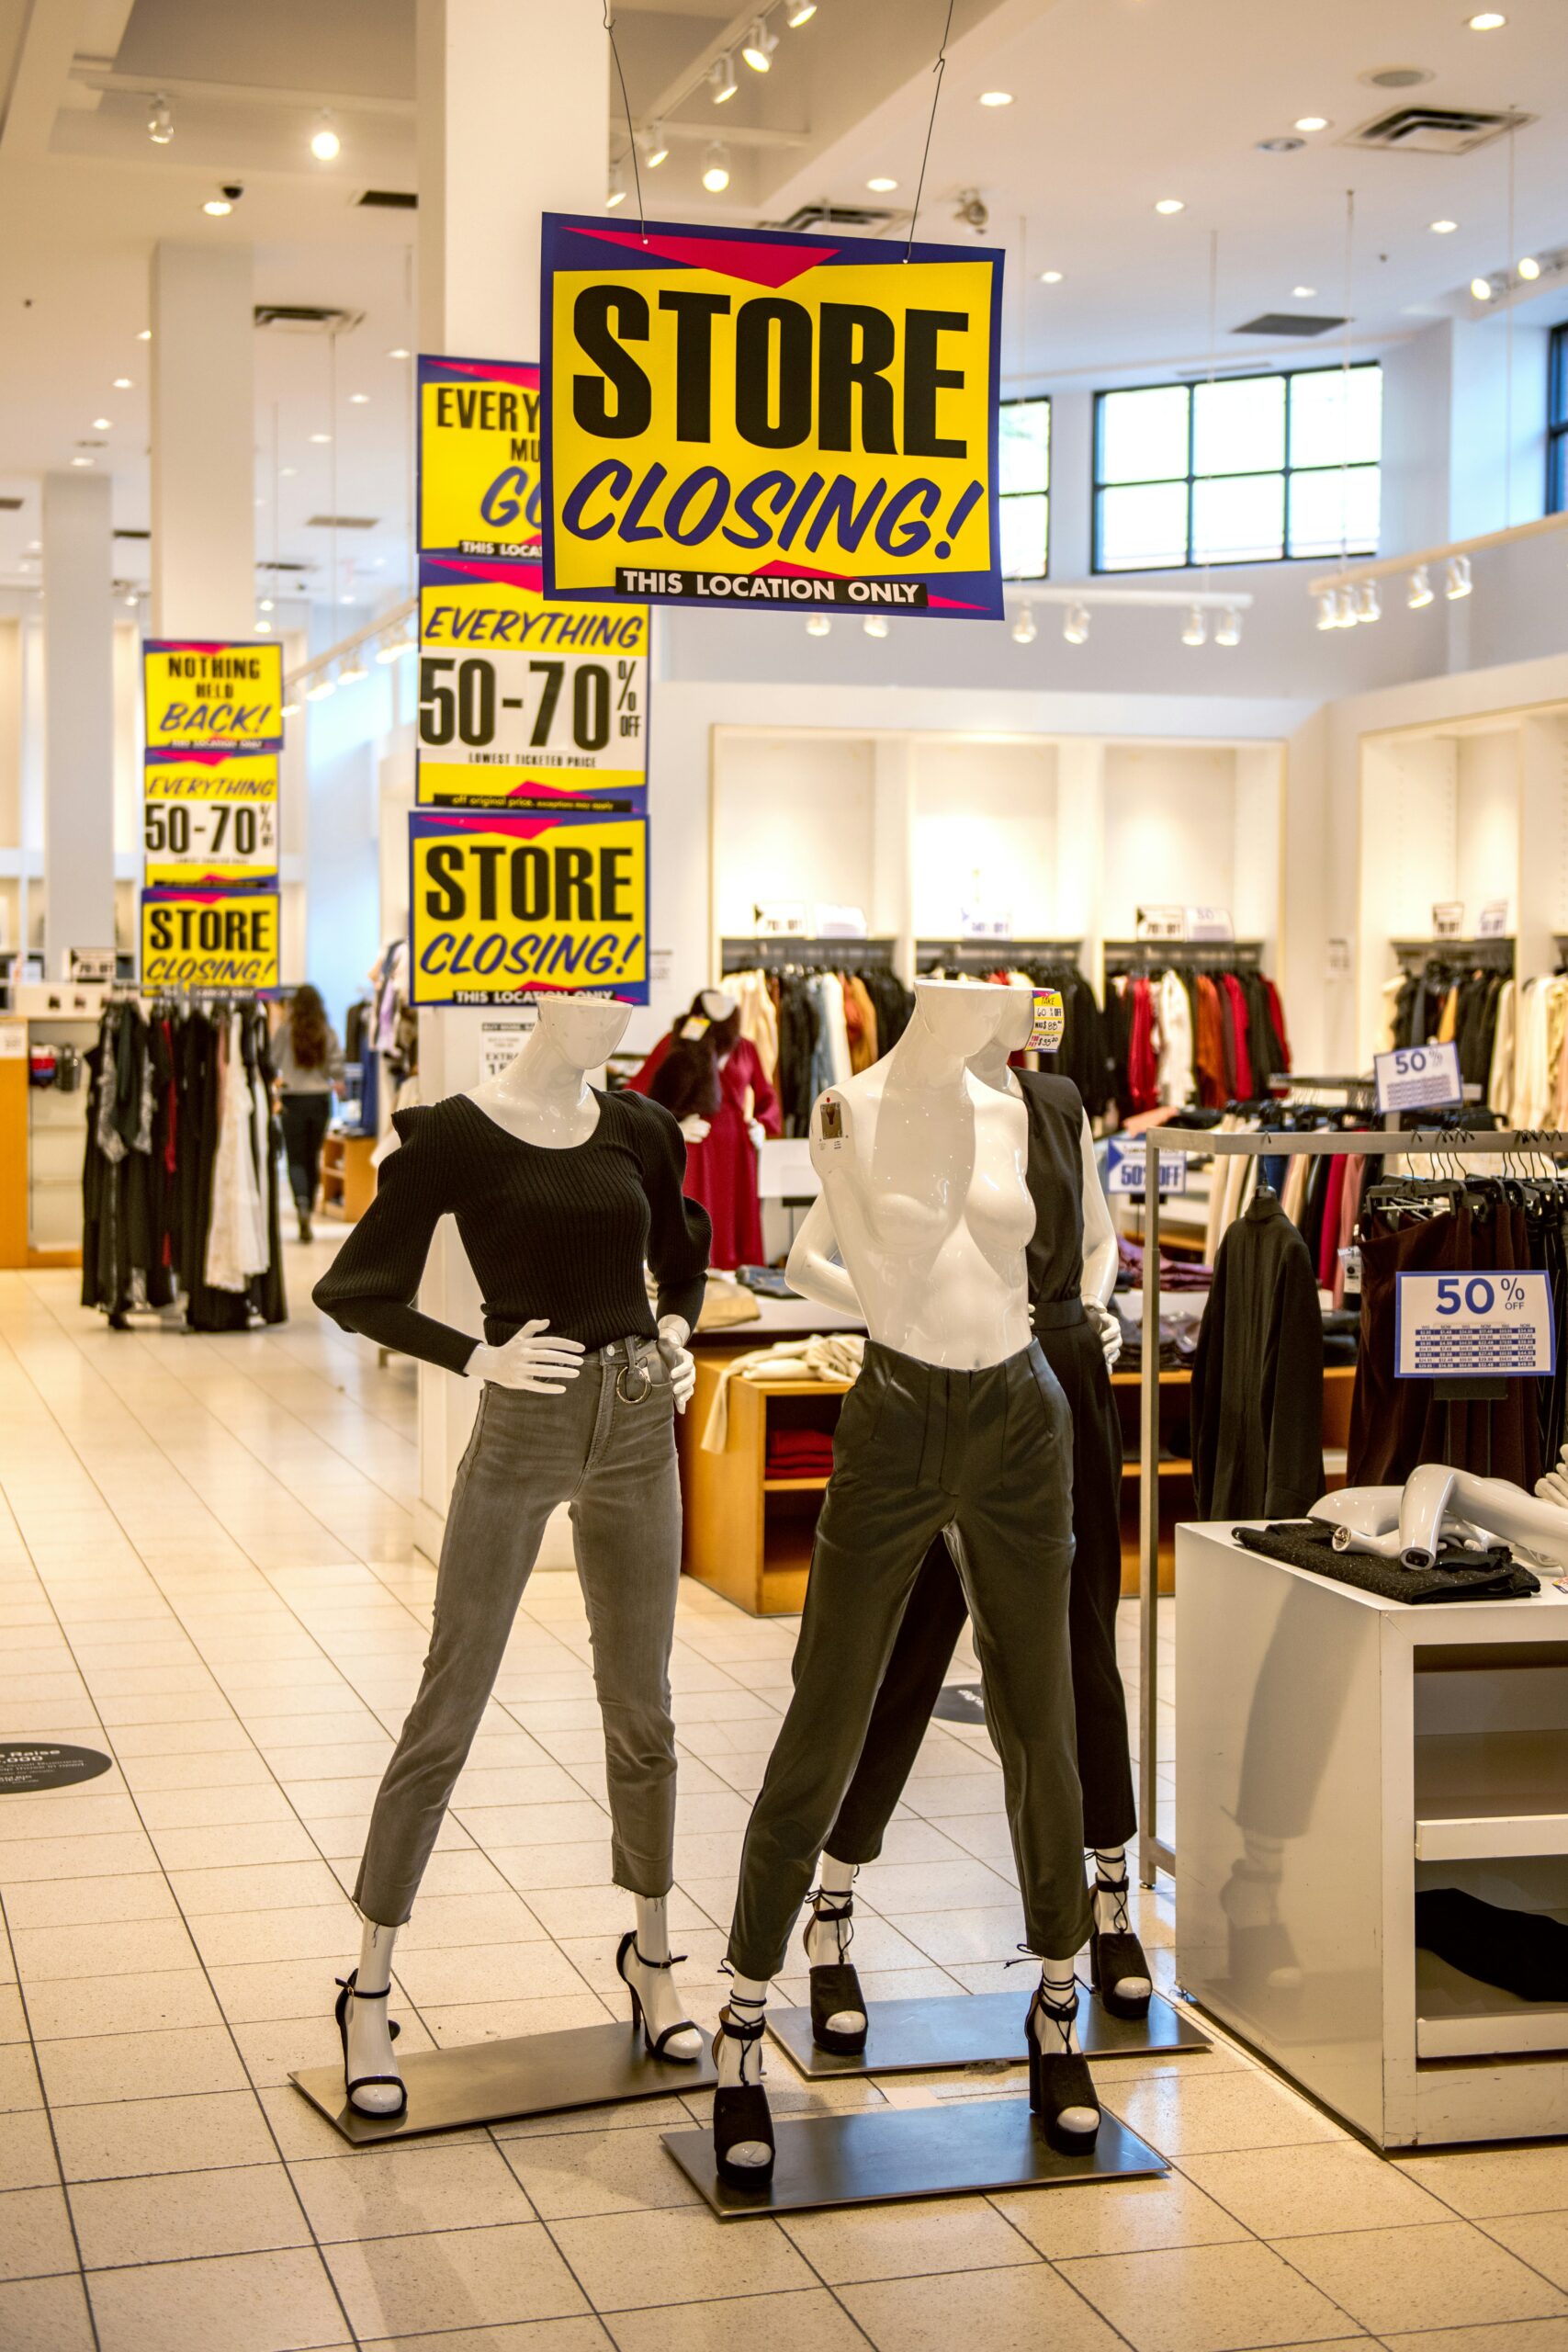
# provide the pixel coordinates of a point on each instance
(1418, 1077)
(201, 695)
(478, 458)
(1468, 1324)
(1161, 923)
(737, 416)
(209, 841)
(502, 906)
(208, 939)
(1048, 1023)
(237, 777)
(1491, 923)
(1126, 1170)
(1448, 918)
(525, 702)
(1208, 922)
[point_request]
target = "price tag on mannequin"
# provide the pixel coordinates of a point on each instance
(1418, 1077)
(1049, 1020)
(1493, 1326)
(1125, 1171)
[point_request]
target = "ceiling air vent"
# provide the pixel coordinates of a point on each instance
(1435, 130)
(9, 505)
(1291, 323)
(342, 522)
(306, 318)
(129, 534)
(389, 199)
(835, 216)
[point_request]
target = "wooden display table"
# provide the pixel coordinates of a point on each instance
(348, 1179)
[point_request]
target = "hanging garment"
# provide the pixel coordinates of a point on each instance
(1257, 1375)
(236, 1238)
(860, 1014)
(759, 1019)
(1174, 1040)
(1500, 1072)
(1242, 1086)
(721, 1170)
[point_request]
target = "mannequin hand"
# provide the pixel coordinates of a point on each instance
(694, 1128)
(1108, 1330)
(757, 1132)
(673, 1331)
(534, 1359)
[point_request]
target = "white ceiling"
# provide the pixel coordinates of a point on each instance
(1115, 103)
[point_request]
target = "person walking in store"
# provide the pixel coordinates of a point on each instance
(309, 1073)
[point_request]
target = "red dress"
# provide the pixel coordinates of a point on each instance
(721, 1170)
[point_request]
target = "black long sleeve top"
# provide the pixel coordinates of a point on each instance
(560, 1234)
(1257, 1374)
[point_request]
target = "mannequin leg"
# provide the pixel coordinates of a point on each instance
(740, 2106)
(370, 2050)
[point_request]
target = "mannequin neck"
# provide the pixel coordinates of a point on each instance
(930, 1053)
(992, 1068)
(540, 1072)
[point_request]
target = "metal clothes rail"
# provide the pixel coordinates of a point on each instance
(776, 951)
(1155, 1853)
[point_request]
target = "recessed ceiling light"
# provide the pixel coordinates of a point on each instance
(320, 439)
(1312, 123)
(1490, 20)
(1529, 267)
(1169, 204)
(1442, 228)
(1050, 277)
(715, 168)
(82, 461)
(996, 97)
(1279, 146)
(35, 547)
(359, 400)
(101, 423)
(325, 144)
(881, 186)
(218, 207)
(145, 335)
(398, 353)
(288, 472)
(123, 384)
(1304, 293)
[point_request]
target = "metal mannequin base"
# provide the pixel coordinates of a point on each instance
(487, 2082)
(954, 2149)
(974, 2029)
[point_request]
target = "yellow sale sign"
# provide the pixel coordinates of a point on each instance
(478, 458)
(738, 416)
(201, 696)
(237, 777)
(502, 906)
(208, 939)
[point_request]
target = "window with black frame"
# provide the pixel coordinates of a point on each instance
(1245, 470)
(1557, 422)
(1024, 481)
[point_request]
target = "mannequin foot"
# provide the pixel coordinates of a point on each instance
(1061, 2088)
(838, 2005)
(1118, 1969)
(371, 2078)
(656, 2002)
(742, 2126)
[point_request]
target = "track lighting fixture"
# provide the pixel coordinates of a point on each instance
(323, 691)
(351, 671)
(1074, 624)
(1345, 615)
(1367, 606)
(655, 146)
(1197, 629)
(1227, 630)
(616, 192)
(874, 625)
(290, 710)
(1458, 584)
(760, 46)
(1420, 588)
(1481, 289)
(1328, 610)
(818, 625)
(160, 122)
(388, 651)
(1023, 628)
(715, 168)
(800, 12)
(325, 144)
(721, 80)
(1530, 268)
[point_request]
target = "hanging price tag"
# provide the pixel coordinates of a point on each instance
(1125, 1169)
(1473, 1324)
(1418, 1077)
(1049, 1020)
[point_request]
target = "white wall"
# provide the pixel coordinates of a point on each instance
(984, 837)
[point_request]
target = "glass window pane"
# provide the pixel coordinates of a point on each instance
(1143, 529)
(1240, 520)
(1239, 428)
(1024, 523)
(1334, 509)
(1142, 435)
(1557, 474)
(1024, 445)
(1319, 433)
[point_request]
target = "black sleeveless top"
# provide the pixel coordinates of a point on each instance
(1055, 1176)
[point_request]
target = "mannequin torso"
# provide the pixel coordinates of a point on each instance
(543, 1096)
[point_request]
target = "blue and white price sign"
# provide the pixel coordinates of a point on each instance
(1474, 1325)
(1418, 1077)
(1125, 1169)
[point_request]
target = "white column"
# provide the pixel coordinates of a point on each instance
(78, 805)
(482, 187)
(204, 433)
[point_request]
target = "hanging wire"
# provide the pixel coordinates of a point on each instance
(1508, 354)
(631, 135)
(332, 461)
(939, 69)
(1345, 386)
(1214, 339)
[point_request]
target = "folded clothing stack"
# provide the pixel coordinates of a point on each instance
(799, 1454)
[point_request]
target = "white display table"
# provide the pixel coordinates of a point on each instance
(1336, 1753)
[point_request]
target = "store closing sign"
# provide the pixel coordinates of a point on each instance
(208, 939)
(742, 417)
(525, 702)
(201, 695)
(503, 906)
(478, 458)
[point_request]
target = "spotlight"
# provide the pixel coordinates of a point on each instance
(267, 605)
(874, 625)
(655, 146)
(102, 425)
(323, 691)
(1228, 628)
(1529, 267)
(1304, 293)
(290, 710)
(1075, 626)
(359, 399)
(760, 46)
(1420, 588)
(722, 81)
(1024, 630)
(132, 601)
(218, 207)
(160, 122)
(1344, 608)
(617, 189)
(1197, 629)
(1312, 123)
(397, 352)
(1327, 610)
(715, 168)
(882, 185)
(143, 335)
(264, 629)
(325, 144)
(1490, 20)
(351, 671)
(1367, 608)
(1170, 204)
(996, 97)
(1458, 584)
(389, 650)
(82, 461)
(320, 439)
(801, 13)
(818, 625)
(1481, 288)
(1442, 228)
(1050, 277)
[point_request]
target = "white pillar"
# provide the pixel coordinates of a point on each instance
(481, 190)
(78, 804)
(204, 433)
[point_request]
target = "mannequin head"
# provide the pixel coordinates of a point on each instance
(961, 1015)
(1011, 1035)
(721, 1011)
(585, 1030)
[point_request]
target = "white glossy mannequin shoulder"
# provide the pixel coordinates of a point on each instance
(543, 1096)
(924, 1195)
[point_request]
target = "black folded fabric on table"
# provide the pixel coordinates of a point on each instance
(1494, 1575)
(1525, 1953)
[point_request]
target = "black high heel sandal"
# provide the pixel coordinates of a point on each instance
(1059, 2079)
(351, 1991)
(836, 1984)
(1116, 1955)
(656, 2049)
(740, 2111)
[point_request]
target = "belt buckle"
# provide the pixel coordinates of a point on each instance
(633, 1363)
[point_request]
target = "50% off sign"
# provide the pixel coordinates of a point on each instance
(1480, 1324)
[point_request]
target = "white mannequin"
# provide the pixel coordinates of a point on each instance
(924, 1193)
(542, 1097)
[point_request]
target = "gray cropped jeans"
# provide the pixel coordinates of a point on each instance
(611, 1456)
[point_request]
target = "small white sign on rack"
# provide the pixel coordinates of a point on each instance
(1473, 1325)
(780, 918)
(841, 922)
(974, 925)
(1126, 1170)
(90, 964)
(1447, 919)
(1210, 922)
(1418, 1077)
(1491, 923)
(1161, 923)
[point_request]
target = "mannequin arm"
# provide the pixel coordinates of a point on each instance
(1099, 1256)
(811, 1269)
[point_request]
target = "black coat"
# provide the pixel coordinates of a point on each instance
(1257, 1374)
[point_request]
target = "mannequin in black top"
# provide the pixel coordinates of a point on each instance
(1072, 1270)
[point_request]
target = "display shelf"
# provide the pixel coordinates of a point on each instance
(1458, 2017)
(348, 1178)
(1482, 1795)
(793, 1486)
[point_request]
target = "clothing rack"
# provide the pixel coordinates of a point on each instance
(1179, 955)
(1418, 955)
(1154, 1853)
(993, 955)
(776, 951)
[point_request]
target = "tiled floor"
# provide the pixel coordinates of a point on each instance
(206, 1569)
